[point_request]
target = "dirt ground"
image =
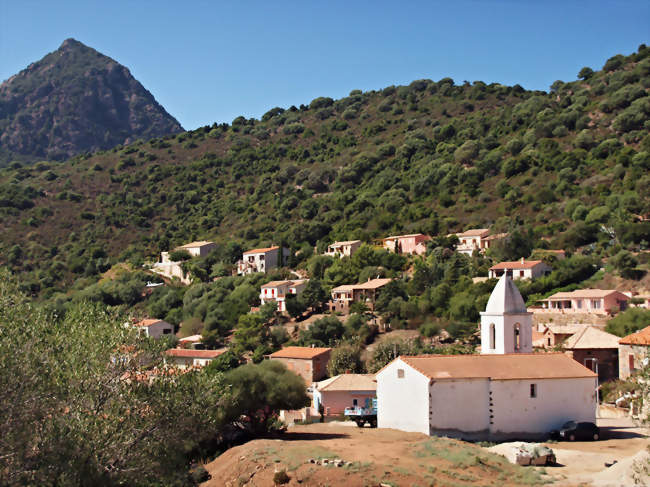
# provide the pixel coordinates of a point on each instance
(376, 457)
(394, 458)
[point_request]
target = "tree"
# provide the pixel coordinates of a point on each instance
(585, 73)
(628, 322)
(345, 359)
(313, 296)
(82, 406)
(323, 332)
(179, 255)
(625, 263)
(259, 392)
(294, 305)
(251, 333)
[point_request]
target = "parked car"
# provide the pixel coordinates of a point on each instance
(573, 431)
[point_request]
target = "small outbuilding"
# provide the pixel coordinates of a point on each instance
(595, 349)
(633, 352)
(154, 328)
(343, 391)
(310, 363)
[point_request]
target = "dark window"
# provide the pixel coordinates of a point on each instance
(400, 373)
(533, 390)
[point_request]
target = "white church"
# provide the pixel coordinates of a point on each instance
(505, 392)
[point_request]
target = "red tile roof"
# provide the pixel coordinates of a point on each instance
(517, 264)
(260, 251)
(641, 337)
(300, 352)
(586, 293)
(477, 232)
(191, 353)
(500, 367)
(148, 322)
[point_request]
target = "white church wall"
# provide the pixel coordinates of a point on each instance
(461, 405)
(402, 402)
(556, 401)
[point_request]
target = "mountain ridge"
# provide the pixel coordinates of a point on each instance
(76, 100)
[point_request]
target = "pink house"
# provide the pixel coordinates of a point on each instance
(278, 290)
(476, 239)
(598, 301)
(343, 249)
(365, 292)
(407, 244)
(520, 269)
(343, 391)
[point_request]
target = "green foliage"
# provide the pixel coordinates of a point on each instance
(625, 263)
(628, 322)
(322, 332)
(259, 391)
(179, 255)
(345, 359)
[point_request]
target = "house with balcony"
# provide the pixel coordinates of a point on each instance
(343, 249)
(520, 269)
(597, 301)
(415, 244)
(476, 239)
(262, 260)
(278, 290)
(365, 292)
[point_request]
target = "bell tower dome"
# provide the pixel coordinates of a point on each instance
(506, 324)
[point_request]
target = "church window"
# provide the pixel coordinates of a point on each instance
(533, 390)
(517, 337)
(400, 373)
(492, 336)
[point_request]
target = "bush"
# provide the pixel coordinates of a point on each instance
(628, 322)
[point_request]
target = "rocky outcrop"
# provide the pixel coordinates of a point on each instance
(77, 100)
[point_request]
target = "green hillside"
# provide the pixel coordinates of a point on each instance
(569, 166)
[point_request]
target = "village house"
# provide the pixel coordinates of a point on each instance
(505, 392)
(278, 290)
(553, 334)
(365, 292)
(310, 363)
(597, 301)
(476, 239)
(262, 260)
(343, 249)
(154, 328)
(633, 352)
(520, 269)
(595, 349)
(415, 244)
(192, 341)
(343, 391)
(189, 357)
(174, 270)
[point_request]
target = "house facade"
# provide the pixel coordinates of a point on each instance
(154, 328)
(633, 352)
(595, 349)
(188, 357)
(343, 249)
(520, 269)
(505, 392)
(365, 292)
(553, 335)
(415, 244)
(310, 363)
(343, 391)
(478, 239)
(261, 260)
(598, 301)
(278, 290)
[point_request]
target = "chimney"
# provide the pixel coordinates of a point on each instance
(522, 260)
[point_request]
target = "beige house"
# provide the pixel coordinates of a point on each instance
(343, 391)
(598, 301)
(343, 249)
(553, 335)
(310, 363)
(154, 328)
(365, 292)
(188, 357)
(278, 290)
(174, 270)
(261, 260)
(633, 352)
(595, 349)
(520, 269)
(476, 239)
(415, 243)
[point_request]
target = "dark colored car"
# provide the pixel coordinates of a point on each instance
(573, 431)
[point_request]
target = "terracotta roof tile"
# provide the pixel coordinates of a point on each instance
(499, 367)
(191, 353)
(372, 284)
(260, 251)
(586, 293)
(348, 382)
(345, 242)
(149, 322)
(526, 264)
(191, 245)
(641, 337)
(300, 352)
(591, 338)
(476, 232)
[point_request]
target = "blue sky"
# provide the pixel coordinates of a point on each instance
(212, 61)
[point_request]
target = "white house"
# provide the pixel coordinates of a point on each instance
(169, 268)
(189, 357)
(505, 392)
(343, 249)
(261, 260)
(520, 269)
(476, 239)
(278, 290)
(154, 328)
